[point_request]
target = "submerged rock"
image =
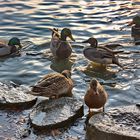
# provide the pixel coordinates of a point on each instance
(122, 123)
(15, 98)
(55, 113)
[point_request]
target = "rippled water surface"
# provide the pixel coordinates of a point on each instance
(29, 20)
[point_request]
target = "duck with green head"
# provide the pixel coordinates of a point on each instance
(102, 55)
(11, 47)
(59, 45)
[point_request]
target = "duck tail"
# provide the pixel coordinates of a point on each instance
(55, 32)
(37, 89)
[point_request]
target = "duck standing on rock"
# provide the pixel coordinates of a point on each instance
(95, 96)
(102, 55)
(11, 47)
(54, 85)
(59, 46)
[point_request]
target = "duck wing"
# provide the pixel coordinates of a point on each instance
(4, 50)
(52, 85)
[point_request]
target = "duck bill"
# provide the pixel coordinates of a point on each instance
(71, 37)
(20, 46)
(86, 41)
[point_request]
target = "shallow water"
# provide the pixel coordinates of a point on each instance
(102, 19)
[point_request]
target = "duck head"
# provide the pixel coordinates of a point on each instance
(94, 86)
(66, 73)
(66, 33)
(15, 41)
(92, 41)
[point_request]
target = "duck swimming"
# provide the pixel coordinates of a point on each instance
(11, 47)
(54, 84)
(59, 46)
(95, 96)
(102, 55)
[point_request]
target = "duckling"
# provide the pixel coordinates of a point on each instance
(54, 85)
(59, 46)
(95, 96)
(11, 47)
(102, 55)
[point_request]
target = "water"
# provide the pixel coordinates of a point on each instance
(29, 20)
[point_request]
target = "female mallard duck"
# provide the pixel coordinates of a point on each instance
(95, 96)
(54, 84)
(59, 46)
(102, 55)
(11, 47)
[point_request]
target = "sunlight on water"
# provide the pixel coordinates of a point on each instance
(30, 19)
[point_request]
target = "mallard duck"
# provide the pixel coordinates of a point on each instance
(59, 46)
(11, 47)
(95, 96)
(54, 85)
(102, 55)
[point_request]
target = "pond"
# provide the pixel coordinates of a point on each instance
(30, 19)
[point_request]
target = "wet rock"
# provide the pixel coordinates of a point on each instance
(122, 123)
(15, 98)
(55, 113)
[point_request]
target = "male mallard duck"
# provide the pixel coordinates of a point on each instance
(95, 96)
(59, 46)
(11, 47)
(54, 84)
(102, 55)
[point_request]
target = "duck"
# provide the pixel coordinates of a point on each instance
(11, 48)
(54, 85)
(102, 54)
(59, 46)
(96, 96)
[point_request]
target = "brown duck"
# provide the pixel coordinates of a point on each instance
(54, 84)
(95, 96)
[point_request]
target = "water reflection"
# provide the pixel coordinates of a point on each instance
(102, 19)
(60, 65)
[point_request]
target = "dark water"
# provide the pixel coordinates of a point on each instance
(29, 20)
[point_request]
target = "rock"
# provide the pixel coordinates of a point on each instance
(55, 113)
(15, 98)
(122, 123)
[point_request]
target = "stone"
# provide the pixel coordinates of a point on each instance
(15, 98)
(122, 123)
(55, 113)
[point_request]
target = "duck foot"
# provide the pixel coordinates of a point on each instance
(55, 132)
